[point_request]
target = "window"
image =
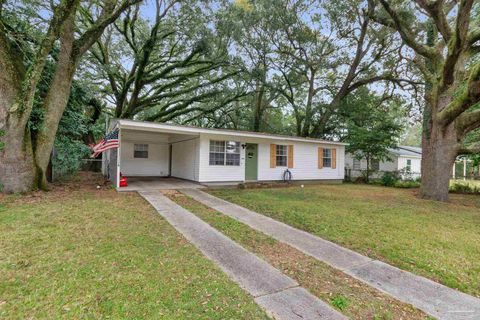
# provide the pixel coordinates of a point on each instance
(224, 153)
(375, 165)
(232, 154)
(356, 164)
(217, 153)
(140, 151)
(327, 158)
(281, 155)
(409, 165)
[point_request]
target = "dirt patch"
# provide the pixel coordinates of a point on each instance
(91, 182)
(171, 193)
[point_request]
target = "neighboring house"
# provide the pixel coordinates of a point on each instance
(219, 156)
(404, 159)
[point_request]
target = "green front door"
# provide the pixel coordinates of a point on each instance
(251, 163)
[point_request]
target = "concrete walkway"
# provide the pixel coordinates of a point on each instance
(279, 295)
(433, 298)
(158, 183)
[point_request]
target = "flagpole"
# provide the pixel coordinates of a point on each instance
(119, 153)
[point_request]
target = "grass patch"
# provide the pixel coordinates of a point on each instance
(340, 302)
(101, 254)
(433, 239)
(350, 296)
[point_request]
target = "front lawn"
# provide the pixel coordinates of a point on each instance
(437, 240)
(100, 254)
(353, 298)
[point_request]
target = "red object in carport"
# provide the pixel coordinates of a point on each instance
(123, 181)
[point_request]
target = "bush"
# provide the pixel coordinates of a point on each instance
(389, 178)
(67, 156)
(406, 184)
(377, 182)
(459, 187)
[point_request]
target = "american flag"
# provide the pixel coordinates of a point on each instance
(109, 142)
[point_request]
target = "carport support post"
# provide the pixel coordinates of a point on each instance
(119, 152)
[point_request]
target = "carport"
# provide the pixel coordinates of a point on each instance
(153, 158)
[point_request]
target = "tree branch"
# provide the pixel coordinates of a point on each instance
(457, 44)
(468, 121)
(406, 35)
(108, 15)
(468, 97)
(435, 10)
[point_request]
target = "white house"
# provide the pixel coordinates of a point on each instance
(219, 156)
(402, 159)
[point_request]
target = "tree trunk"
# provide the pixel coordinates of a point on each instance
(367, 173)
(17, 170)
(439, 151)
(258, 114)
(308, 107)
(55, 102)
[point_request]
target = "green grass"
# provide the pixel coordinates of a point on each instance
(99, 254)
(433, 239)
(353, 298)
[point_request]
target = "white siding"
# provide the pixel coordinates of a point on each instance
(212, 173)
(389, 165)
(185, 159)
(416, 165)
(155, 165)
(396, 164)
(305, 162)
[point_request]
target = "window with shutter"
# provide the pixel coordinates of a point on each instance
(281, 155)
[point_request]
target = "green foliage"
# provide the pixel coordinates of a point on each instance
(67, 155)
(340, 302)
(406, 184)
(371, 127)
(413, 136)
(389, 179)
(74, 126)
(464, 187)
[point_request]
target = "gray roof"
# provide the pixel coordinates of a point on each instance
(407, 151)
(136, 124)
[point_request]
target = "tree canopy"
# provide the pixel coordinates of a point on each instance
(355, 70)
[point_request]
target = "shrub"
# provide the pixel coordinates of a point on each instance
(406, 184)
(377, 182)
(389, 178)
(67, 156)
(459, 187)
